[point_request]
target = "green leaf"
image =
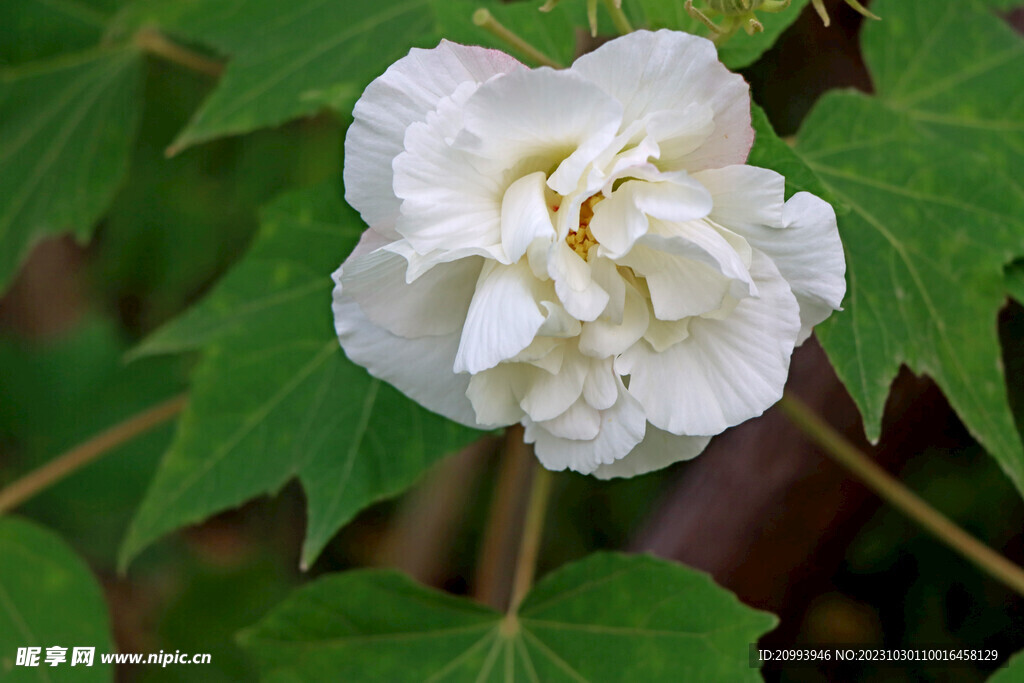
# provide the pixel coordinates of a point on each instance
(48, 597)
(739, 51)
(1012, 672)
(37, 29)
(55, 397)
(936, 211)
(608, 617)
(291, 59)
(1015, 281)
(66, 130)
(274, 397)
(770, 151)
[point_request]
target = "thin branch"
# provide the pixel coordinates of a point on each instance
(71, 461)
(155, 43)
(485, 20)
(899, 496)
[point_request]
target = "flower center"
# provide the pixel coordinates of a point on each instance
(581, 239)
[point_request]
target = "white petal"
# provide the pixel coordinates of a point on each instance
(621, 428)
(404, 94)
(549, 395)
(810, 257)
(525, 215)
(574, 285)
(420, 368)
(579, 422)
(447, 203)
(600, 389)
(679, 135)
(663, 334)
(669, 71)
(699, 241)
(621, 219)
(800, 237)
(745, 196)
(726, 371)
(679, 286)
(544, 117)
(495, 393)
(658, 450)
(603, 337)
(504, 317)
(436, 303)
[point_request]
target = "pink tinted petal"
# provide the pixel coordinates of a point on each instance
(668, 71)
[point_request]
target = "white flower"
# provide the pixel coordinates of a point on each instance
(581, 251)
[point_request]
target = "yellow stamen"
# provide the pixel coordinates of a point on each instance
(582, 239)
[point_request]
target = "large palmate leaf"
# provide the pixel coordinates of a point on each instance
(48, 598)
(83, 380)
(66, 129)
(274, 396)
(290, 59)
(607, 618)
(930, 169)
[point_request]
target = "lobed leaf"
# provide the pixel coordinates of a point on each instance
(66, 131)
(930, 170)
(608, 617)
(274, 397)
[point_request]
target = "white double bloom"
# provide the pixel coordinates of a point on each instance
(581, 251)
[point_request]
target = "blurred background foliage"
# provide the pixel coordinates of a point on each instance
(858, 573)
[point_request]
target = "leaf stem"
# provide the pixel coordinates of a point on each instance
(155, 43)
(899, 496)
(619, 18)
(497, 553)
(533, 529)
(485, 20)
(70, 461)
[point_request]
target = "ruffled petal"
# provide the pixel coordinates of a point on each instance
(726, 371)
(621, 427)
(604, 337)
(447, 203)
(436, 303)
(745, 196)
(658, 450)
(420, 368)
(409, 90)
(495, 393)
(668, 71)
(525, 215)
(801, 236)
(621, 219)
(581, 295)
(504, 317)
(679, 286)
(509, 121)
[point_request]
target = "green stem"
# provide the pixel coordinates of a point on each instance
(533, 528)
(899, 496)
(619, 18)
(69, 462)
(485, 20)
